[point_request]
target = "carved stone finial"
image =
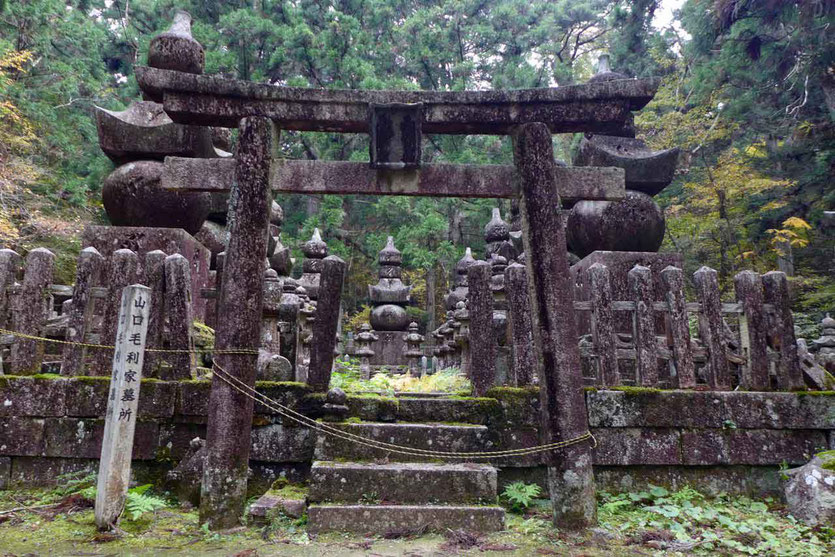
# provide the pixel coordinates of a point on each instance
(176, 49)
(604, 71)
(497, 230)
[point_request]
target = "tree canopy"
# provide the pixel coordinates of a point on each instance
(748, 95)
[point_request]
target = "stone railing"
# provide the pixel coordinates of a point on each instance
(85, 315)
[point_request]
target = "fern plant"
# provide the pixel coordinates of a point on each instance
(519, 495)
(140, 502)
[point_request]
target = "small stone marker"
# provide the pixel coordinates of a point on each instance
(120, 419)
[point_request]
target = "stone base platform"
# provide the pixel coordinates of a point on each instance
(107, 239)
(404, 519)
(619, 264)
(389, 349)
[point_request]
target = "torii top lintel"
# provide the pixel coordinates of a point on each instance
(598, 107)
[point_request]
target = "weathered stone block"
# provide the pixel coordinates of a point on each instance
(107, 239)
(279, 443)
(704, 447)
(780, 410)
(754, 481)
(87, 396)
(760, 447)
(373, 408)
(78, 438)
(421, 436)
(286, 393)
(351, 482)
(651, 408)
(773, 447)
(193, 398)
(519, 438)
(632, 446)
(810, 491)
(431, 409)
(519, 406)
(157, 399)
(269, 505)
(21, 436)
(174, 439)
(389, 348)
(41, 471)
(32, 396)
(383, 519)
(265, 473)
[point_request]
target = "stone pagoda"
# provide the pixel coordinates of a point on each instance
(315, 250)
(389, 298)
(459, 282)
(626, 232)
(144, 216)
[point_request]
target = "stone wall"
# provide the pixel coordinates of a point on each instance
(732, 441)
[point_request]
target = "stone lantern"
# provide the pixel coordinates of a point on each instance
(363, 340)
(413, 349)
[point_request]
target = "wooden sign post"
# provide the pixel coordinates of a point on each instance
(120, 420)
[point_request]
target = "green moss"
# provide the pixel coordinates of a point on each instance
(284, 488)
(288, 385)
(828, 458)
(520, 394)
(47, 376)
(353, 420)
(91, 379)
(195, 382)
(814, 393)
(204, 336)
(636, 390)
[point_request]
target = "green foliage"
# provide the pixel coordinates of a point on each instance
(346, 376)
(738, 525)
(519, 495)
(139, 502)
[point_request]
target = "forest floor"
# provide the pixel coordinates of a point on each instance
(645, 523)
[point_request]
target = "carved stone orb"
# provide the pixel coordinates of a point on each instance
(389, 317)
(132, 196)
(634, 223)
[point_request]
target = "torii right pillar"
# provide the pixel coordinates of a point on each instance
(562, 397)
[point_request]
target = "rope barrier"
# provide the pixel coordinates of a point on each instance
(230, 351)
(291, 414)
(287, 412)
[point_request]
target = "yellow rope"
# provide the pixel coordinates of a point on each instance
(289, 413)
(249, 392)
(232, 351)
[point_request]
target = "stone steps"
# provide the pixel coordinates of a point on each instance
(404, 519)
(381, 492)
(439, 437)
(402, 483)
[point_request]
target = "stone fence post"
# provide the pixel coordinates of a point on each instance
(31, 311)
(87, 275)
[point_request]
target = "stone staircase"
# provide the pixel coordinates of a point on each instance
(363, 490)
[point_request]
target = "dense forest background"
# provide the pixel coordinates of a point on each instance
(748, 95)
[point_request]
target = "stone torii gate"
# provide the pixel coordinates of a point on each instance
(396, 121)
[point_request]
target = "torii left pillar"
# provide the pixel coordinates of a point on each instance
(223, 491)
